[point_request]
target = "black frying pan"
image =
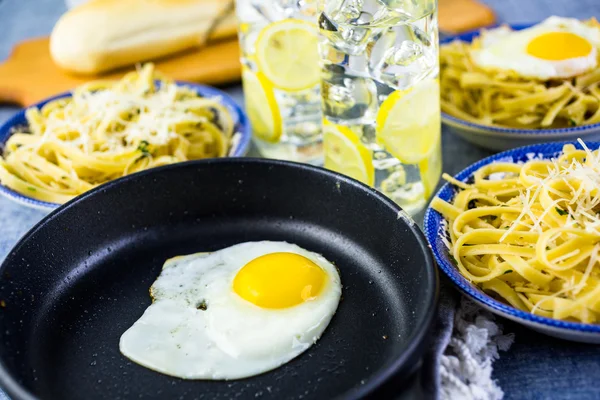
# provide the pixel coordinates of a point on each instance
(80, 278)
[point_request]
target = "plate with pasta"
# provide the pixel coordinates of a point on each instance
(519, 233)
(64, 146)
(515, 85)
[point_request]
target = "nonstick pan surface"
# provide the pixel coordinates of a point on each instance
(80, 278)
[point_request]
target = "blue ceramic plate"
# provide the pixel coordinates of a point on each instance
(239, 146)
(434, 227)
(504, 138)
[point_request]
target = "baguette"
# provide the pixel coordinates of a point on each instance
(102, 35)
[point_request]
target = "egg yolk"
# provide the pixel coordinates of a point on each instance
(557, 46)
(279, 280)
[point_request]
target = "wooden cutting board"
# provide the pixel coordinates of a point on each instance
(457, 16)
(29, 74)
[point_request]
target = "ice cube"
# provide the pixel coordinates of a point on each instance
(385, 17)
(326, 24)
(377, 50)
(396, 180)
(343, 11)
(352, 8)
(412, 10)
(401, 68)
(332, 55)
(404, 55)
(408, 52)
(357, 33)
(351, 37)
(363, 19)
(335, 41)
(340, 96)
(354, 36)
(346, 97)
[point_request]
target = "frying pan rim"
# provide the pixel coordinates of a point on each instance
(415, 341)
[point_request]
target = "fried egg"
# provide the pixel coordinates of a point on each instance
(555, 48)
(234, 313)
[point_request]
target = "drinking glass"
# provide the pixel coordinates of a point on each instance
(380, 95)
(281, 77)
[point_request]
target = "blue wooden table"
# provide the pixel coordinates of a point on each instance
(536, 367)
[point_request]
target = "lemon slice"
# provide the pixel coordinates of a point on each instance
(430, 169)
(287, 53)
(261, 106)
(408, 122)
(344, 153)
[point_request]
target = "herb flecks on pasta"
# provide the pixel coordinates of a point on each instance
(502, 98)
(530, 233)
(109, 129)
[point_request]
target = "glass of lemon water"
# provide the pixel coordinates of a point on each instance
(281, 77)
(380, 93)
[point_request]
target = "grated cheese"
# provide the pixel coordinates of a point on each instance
(581, 208)
(95, 112)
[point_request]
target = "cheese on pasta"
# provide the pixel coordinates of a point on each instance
(530, 233)
(109, 129)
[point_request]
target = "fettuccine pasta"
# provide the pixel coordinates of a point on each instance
(503, 98)
(109, 129)
(529, 233)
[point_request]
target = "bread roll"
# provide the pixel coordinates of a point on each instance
(105, 34)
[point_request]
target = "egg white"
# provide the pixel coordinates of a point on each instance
(504, 49)
(231, 338)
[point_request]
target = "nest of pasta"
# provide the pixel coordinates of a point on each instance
(109, 129)
(503, 98)
(529, 233)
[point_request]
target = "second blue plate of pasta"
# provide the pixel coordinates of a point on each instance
(519, 234)
(472, 94)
